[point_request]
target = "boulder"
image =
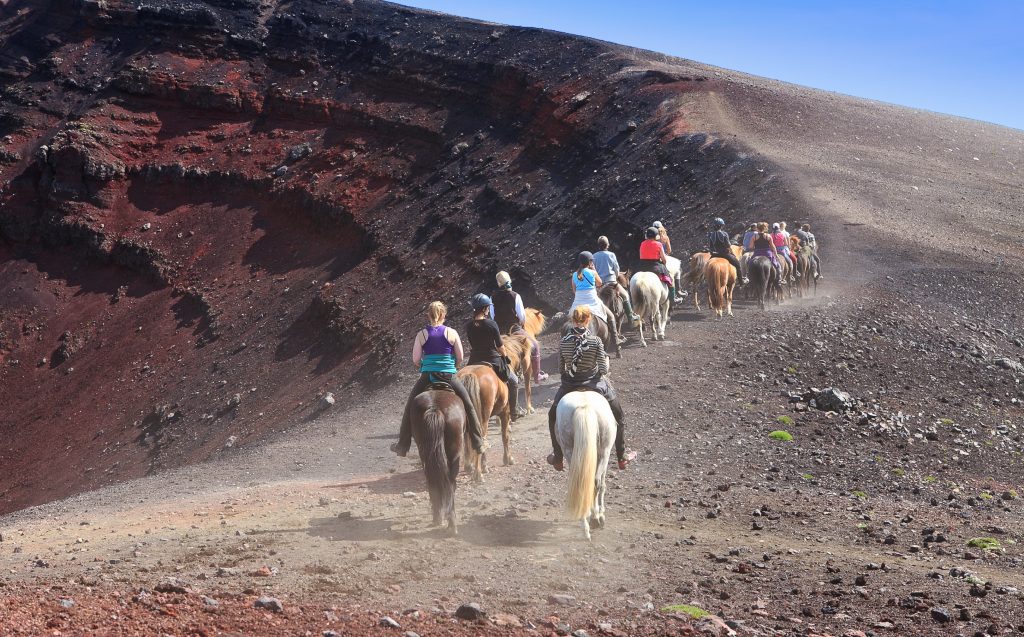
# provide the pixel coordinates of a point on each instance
(832, 399)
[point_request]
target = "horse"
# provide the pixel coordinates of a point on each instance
(674, 267)
(762, 278)
(585, 428)
(519, 349)
(490, 398)
(721, 279)
(612, 299)
(535, 322)
(804, 276)
(694, 277)
(651, 302)
(438, 427)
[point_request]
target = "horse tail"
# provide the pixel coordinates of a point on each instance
(472, 385)
(435, 462)
(717, 279)
(583, 467)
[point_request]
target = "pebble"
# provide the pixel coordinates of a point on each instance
(941, 615)
(387, 622)
(67, 603)
(470, 612)
(561, 600)
(270, 603)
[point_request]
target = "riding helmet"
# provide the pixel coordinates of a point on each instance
(584, 259)
(503, 279)
(651, 233)
(718, 222)
(657, 225)
(480, 301)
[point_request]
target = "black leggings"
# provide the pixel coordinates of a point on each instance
(613, 402)
(731, 258)
(422, 384)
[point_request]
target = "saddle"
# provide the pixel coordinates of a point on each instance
(440, 386)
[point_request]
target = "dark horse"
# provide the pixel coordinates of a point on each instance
(438, 425)
(609, 295)
(763, 278)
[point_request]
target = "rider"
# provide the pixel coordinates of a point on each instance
(510, 315)
(436, 352)
(486, 348)
(719, 246)
(808, 239)
(652, 259)
(782, 244)
(585, 282)
(607, 266)
(764, 246)
(748, 238)
(584, 365)
(663, 236)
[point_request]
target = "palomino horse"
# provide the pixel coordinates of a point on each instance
(585, 428)
(519, 349)
(721, 279)
(694, 277)
(763, 278)
(438, 427)
(650, 301)
(490, 398)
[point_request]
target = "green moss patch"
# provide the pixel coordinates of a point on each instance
(782, 435)
(857, 493)
(785, 420)
(694, 612)
(984, 543)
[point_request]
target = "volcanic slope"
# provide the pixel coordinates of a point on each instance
(180, 181)
(212, 214)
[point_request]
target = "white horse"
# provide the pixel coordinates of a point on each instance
(585, 428)
(675, 268)
(650, 301)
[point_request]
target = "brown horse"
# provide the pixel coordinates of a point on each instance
(490, 398)
(763, 279)
(694, 277)
(804, 276)
(535, 322)
(438, 427)
(721, 279)
(519, 349)
(610, 296)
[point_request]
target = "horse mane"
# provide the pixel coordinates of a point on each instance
(517, 348)
(535, 322)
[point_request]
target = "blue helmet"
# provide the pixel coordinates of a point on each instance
(584, 259)
(480, 301)
(718, 222)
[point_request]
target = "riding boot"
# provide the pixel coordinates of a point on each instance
(671, 295)
(513, 399)
(620, 426)
(555, 447)
(628, 304)
(613, 331)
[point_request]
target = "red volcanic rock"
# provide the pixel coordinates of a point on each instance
(179, 180)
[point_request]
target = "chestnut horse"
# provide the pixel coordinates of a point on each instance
(721, 279)
(490, 398)
(438, 427)
(519, 349)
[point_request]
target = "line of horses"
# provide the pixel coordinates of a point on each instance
(585, 426)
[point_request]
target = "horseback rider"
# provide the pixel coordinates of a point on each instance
(781, 242)
(652, 259)
(510, 315)
(486, 348)
(437, 353)
(812, 245)
(720, 247)
(663, 236)
(607, 266)
(764, 246)
(584, 366)
(585, 282)
(748, 238)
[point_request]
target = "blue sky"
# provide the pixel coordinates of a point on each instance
(961, 57)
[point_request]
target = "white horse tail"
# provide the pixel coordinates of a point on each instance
(583, 466)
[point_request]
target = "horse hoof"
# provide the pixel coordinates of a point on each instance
(509, 461)
(618, 353)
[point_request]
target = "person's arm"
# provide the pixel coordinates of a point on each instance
(490, 311)
(572, 282)
(417, 349)
(668, 244)
(662, 257)
(456, 341)
(602, 360)
(520, 310)
(499, 346)
(616, 271)
(597, 279)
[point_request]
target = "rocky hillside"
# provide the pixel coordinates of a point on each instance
(213, 213)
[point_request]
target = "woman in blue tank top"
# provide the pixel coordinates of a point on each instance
(437, 352)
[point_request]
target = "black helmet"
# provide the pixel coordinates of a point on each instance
(718, 222)
(480, 301)
(584, 259)
(651, 233)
